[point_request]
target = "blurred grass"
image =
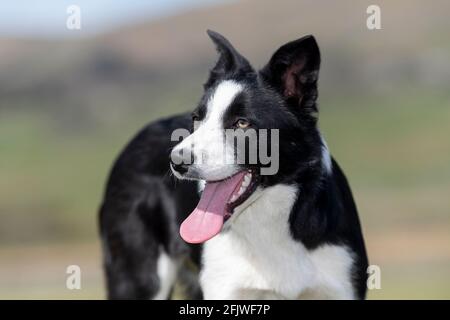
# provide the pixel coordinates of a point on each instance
(52, 181)
(395, 150)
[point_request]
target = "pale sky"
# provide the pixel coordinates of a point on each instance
(48, 17)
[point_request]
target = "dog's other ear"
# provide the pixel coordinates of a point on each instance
(230, 61)
(294, 70)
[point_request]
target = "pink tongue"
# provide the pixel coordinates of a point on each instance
(207, 218)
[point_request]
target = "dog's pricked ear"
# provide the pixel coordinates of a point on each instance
(294, 70)
(230, 60)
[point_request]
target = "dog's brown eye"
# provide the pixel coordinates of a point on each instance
(242, 123)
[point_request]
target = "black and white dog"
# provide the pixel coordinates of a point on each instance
(294, 234)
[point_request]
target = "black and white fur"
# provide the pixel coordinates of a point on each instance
(297, 236)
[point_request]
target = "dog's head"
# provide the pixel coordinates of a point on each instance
(252, 129)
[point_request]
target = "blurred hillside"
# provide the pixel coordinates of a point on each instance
(67, 107)
(119, 71)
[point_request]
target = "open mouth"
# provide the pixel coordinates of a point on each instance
(247, 187)
(217, 204)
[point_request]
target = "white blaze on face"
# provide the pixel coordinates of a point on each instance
(210, 152)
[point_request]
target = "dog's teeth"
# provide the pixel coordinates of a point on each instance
(241, 190)
(246, 182)
(233, 198)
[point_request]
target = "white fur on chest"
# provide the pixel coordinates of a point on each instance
(258, 258)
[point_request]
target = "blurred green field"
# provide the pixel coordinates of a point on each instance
(394, 149)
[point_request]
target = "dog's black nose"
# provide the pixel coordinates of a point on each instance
(177, 162)
(180, 168)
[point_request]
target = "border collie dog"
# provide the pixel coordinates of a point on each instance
(225, 230)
